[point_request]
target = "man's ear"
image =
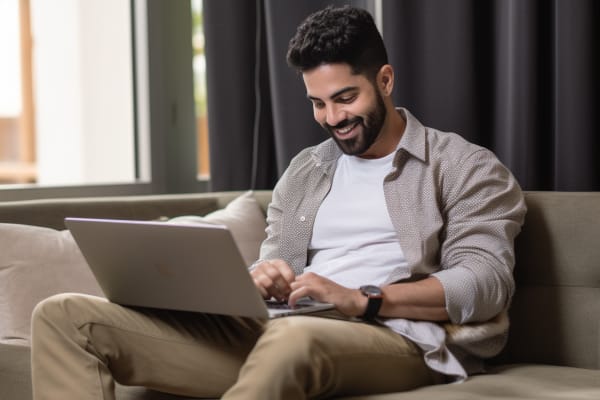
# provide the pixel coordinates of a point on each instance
(385, 79)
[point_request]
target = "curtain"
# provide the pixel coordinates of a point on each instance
(517, 76)
(239, 109)
(258, 113)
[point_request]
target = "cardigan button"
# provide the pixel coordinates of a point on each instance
(302, 218)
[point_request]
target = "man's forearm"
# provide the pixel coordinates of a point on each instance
(421, 300)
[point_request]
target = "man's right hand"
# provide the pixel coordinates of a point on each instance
(273, 279)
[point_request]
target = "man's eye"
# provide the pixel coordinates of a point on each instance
(318, 105)
(347, 99)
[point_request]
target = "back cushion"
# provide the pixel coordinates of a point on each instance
(555, 314)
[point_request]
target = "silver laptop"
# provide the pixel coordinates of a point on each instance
(174, 266)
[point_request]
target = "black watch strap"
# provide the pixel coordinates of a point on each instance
(374, 295)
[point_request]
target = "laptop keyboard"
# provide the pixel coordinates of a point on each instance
(282, 305)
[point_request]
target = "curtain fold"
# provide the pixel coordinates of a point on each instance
(239, 108)
(576, 61)
(517, 76)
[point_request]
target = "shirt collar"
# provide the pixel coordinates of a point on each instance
(413, 140)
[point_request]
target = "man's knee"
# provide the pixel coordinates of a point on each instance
(293, 355)
(60, 308)
(49, 309)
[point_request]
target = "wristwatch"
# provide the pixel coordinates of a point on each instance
(375, 296)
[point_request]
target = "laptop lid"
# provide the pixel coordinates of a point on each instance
(172, 266)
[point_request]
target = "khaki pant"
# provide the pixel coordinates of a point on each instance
(81, 343)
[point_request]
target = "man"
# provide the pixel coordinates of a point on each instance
(408, 231)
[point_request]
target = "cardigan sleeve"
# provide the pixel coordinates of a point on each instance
(484, 210)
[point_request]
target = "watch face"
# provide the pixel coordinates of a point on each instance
(371, 290)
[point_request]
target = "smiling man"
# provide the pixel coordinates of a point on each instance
(355, 115)
(406, 230)
(402, 225)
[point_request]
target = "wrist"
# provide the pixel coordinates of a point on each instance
(360, 303)
(374, 300)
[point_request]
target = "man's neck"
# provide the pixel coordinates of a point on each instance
(390, 136)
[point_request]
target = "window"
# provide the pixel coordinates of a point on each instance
(16, 146)
(199, 67)
(111, 98)
(68, 118)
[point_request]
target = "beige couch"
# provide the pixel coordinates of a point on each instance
(554, 346)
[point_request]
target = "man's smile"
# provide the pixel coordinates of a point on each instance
(347, 130)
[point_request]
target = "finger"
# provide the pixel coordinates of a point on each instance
(297, 294)
(273, 278)
(308, 277)
(284, 269)
(278, 294)
(281, 293)
(261, 289)
(264, 276)
(271, 284)
(260, 269)
(263, 282)
(280, 284)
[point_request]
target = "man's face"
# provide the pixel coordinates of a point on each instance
(347, 106)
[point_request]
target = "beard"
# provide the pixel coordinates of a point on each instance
(370, 129)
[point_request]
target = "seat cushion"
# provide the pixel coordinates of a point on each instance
(15, 380)
(516, 381)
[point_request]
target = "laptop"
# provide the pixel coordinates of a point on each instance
(175, 266)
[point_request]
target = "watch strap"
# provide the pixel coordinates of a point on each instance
(374, 301)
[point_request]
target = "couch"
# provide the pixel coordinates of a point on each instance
(553, 351)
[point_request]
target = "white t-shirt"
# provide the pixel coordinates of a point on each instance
(354, 242)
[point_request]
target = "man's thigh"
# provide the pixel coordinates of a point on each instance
(370, 358)
(347, 357)
(179, 352)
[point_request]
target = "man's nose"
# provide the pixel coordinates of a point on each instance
(334, 115)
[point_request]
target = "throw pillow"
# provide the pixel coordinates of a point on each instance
(245, 219)
(35, 263)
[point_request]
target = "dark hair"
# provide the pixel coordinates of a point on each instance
(338, 35)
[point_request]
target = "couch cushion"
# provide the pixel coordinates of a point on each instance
(511, 382)
(559, 241)
(245, 219)
(556, 307)
(35, 263)
(15, 372)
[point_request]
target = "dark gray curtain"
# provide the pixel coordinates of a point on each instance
(240, 99)
(239, 107)
(517, 76)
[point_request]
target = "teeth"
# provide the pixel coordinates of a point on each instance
(345, 130)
